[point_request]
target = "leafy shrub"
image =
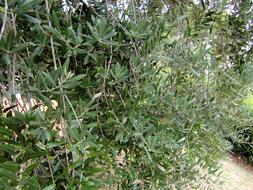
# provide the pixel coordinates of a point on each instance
(136, 108)
(242, 140)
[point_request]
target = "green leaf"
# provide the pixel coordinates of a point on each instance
(11, 166)
(8, 174)
(54, 32)
(11, 39)
(77, 164)
(76, 78)
(73, 82)
(56, 21)
(161, 168)
(4, 184)
(72, 35)
(31, 19)
(93, 170)
(5, 131)
(55, 144)
(6, 59)
(37, 51)
(30, 182)
(34, 154)
(27, 5)
(49, 78)
(75, 133)
(31, 167)
(8, 148)
(49, 187)
(66, 65)
(22, 46)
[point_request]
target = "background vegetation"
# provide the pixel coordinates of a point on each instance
(150, 93)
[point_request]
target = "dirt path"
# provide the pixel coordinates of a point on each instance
(237, 175)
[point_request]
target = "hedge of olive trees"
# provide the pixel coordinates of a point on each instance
(144, 98)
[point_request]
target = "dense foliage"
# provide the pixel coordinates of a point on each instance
(147, 94)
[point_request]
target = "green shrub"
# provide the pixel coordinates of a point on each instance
(242, 140)
(136, 108)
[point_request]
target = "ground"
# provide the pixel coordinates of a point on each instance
(236, 175)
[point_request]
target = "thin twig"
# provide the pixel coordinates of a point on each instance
(107, 68)
(101, 130)
(51, 37)
(11, 67)
(51, 170)
(63, 97)
(72, 108)
(5, 18)
(120, 97)
(81, 178)
(134, 11)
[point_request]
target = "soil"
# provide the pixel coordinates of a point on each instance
(237, 174)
